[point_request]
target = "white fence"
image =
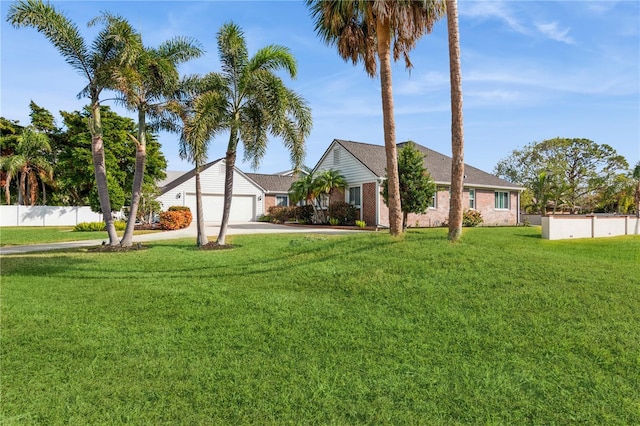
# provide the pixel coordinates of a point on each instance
(46, 216)
(563, 227)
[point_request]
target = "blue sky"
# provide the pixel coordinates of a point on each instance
(532, 70)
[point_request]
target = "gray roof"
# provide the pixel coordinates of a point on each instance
(185, 176)
(170, 177)
(438, 165)
(272, 183)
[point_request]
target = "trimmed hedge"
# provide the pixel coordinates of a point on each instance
(345, 213)
(177, 217)
(99, 226)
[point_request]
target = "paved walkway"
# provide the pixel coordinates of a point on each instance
(212, 230)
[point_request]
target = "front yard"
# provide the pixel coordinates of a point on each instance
(503, 328)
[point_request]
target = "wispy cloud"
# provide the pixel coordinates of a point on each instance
(493, 10)
(552, 31)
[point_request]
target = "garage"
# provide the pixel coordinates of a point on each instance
(242, 207)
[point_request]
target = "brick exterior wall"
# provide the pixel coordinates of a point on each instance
(368, 199)
(485, 203)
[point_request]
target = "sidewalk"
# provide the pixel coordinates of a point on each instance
(212, 230)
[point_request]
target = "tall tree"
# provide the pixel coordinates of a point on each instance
(30, 163)
(576, 169)
(145, 81)
(417, 188)
(94, 63)
(456, 208)
(366, 30)
(257, 103)
(195, 112)
(73, 162)
(636, 176)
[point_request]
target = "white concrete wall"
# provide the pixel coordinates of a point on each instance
(567, 227)
(46, 215)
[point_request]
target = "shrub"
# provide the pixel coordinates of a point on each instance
(360, 223)
(89, 226)
(471, 218)
(334, 221)
(281, 213)
(344, 212)
(304, 214)
(99, 226)
(177, 217)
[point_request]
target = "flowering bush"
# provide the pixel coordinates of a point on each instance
(177, 217)
(471, 218)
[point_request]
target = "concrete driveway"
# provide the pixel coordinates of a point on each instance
(212, 230)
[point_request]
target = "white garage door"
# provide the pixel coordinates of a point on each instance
(242, 207)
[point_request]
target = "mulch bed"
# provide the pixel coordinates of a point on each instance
(106, 248)
(215, 246)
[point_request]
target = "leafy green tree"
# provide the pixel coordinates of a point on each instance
(145, 83)
(94, 62)
(456, 209)
(255, 103)
(41, 119)
(73, 162)
(9, 132)
(575, 170)
(369, 31)
(417, 188)
(29, 162)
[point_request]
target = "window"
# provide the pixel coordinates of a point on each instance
(354, 196)
(282, 200)
(472, 198)
(433, 204)
(502, 200)
(322, 201)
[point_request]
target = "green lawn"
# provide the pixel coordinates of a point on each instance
(21, 235)
(503, 328)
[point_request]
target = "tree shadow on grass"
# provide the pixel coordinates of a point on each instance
(28, 265)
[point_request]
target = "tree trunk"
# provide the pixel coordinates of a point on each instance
(457, 128)
(100, 171)
(230, 161)
(7, 186)
(384, 54)
(202, 236)
(138, 179)
(22, 196)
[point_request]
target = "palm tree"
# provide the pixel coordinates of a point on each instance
(257, 103)
(456, 208)
(94, 63)
(29, 162)
(305, 189)
(328, 180)
(145, 83)
(194, 112)
(364, 30)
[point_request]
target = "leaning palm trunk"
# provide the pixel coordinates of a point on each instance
(138, 179)
(230, 163)
(384, 53)
(100, 171)
(202, 236)
(457, 129)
